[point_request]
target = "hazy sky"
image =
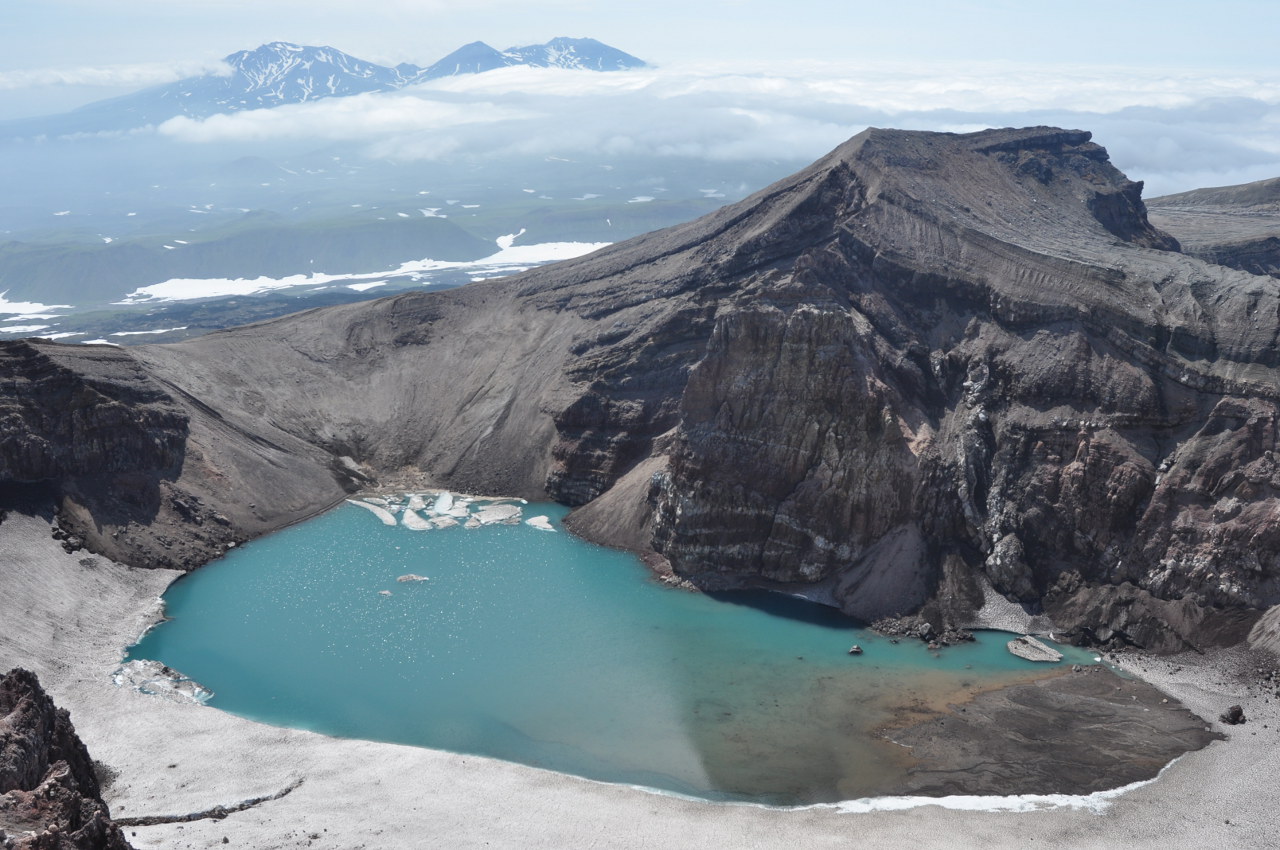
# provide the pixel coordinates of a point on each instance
(71, 40)
(1181, 33)
(1182, 92)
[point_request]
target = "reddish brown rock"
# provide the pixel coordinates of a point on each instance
(49, 795)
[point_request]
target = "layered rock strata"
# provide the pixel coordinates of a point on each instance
(927, 368)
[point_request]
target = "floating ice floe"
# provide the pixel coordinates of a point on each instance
(380, 512)
(413, 520)
(412, 577)
(155, 679)
(495, 514)
(442, 509)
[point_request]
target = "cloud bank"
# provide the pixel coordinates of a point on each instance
(1174, 129)
(109, 76)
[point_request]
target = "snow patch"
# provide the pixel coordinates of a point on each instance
(28, 309)
(509, 259)
(144, 333)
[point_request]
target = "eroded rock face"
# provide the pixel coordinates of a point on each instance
(925, 365)
(49, 796)
(97, 415)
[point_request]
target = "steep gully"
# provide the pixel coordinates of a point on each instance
(926, 368)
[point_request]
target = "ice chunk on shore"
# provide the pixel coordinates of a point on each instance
(444, 522)
(444, 503)
(155, 679)
(541, 522)
(1033, 650)
(416, 502)
(380, 512)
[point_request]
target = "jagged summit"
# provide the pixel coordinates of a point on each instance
(576, 53)
(1049, 198)
(1029, 170)
(474, 58)
(282, 73)
(927, 369)
(581, 54)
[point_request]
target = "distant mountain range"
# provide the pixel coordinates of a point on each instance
(281, 73)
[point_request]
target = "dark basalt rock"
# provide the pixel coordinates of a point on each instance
(49, 795)
(97, 414)
(1233, 716)
(927, 365)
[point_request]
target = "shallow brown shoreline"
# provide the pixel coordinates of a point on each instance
(1079, 732)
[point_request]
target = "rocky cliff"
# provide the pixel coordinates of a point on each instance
(926, 369)
(49, 796)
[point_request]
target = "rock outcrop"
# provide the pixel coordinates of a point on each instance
(49, 795)
(925, 365)
(1234, 226)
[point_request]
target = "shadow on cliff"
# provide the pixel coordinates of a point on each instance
(790, 607)
(31, 499)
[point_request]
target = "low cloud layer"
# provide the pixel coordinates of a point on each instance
(1174, 130)
(366, 117)
(108, 76)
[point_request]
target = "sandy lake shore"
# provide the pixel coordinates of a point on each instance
(67, 617)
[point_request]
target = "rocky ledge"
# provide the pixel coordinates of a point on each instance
(49, 795)
(926, 369)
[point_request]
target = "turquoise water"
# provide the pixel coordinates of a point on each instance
(538, 648)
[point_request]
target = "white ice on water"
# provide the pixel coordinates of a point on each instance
(380, 512)
(413, 520)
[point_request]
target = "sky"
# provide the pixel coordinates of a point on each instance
(1181, 92)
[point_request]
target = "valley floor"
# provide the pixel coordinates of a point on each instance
(67, 617)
